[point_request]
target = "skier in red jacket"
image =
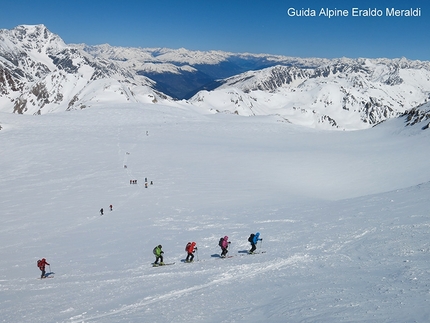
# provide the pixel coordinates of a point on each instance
(190, 249)
(41, 264)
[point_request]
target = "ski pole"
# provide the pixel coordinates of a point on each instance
(197, 254)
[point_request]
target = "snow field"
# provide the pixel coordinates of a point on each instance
(344, 219)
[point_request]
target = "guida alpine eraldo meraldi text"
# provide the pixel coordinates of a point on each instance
(354, 12)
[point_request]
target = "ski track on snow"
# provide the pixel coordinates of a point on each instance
(239, 272)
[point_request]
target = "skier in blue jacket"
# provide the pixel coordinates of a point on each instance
(253, 239)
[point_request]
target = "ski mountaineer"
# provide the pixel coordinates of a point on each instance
(41, 264)
(223, 243)
(101, 211)
(253, 239)
(158, 253)
(190, 249)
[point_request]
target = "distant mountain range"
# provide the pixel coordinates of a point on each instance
(39, 74)
(181, 73)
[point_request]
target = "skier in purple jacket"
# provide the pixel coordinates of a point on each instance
(224, 245)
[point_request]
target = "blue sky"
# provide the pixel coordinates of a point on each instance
(254, 26)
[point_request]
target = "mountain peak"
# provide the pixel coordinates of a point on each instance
(31, 37)
(39, 73)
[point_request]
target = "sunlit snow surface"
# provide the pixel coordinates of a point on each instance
(344, 217)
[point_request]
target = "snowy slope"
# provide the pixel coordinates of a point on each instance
(343, 216)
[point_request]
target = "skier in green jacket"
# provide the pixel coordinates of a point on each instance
(158, 253)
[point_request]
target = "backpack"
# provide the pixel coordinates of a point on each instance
(251, 238)
(220, 242)
(39, 263)
(187, 246)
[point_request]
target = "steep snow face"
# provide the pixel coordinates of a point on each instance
(418, 115)
(40, 74)
(29, 47)
(344, 218)
(346, 94)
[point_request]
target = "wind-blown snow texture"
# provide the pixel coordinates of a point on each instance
(344, 218)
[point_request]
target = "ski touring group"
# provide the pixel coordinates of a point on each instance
(191, 249)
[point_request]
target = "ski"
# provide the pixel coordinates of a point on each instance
(256, 253)
(158, 265)
(48, 275)
(190, 262)
(219, 256)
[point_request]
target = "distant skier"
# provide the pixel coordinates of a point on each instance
(223, 243)
(253, 239)
(110, 207)
(41, 264)
(101, 211)
(158, 253)
(190, 249)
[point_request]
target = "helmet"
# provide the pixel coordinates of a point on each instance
(225, 238)
(43, 259)
(159, 246)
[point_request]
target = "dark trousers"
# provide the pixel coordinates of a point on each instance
(224, 252)
(190, 257)
(158, 258)
(43, 273)
(253, 247)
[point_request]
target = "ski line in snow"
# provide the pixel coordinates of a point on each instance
(235, 273)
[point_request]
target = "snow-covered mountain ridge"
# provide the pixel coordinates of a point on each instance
(344, 94)
(39, 73)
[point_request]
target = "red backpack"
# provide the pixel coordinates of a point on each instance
(187, 247)
(39, 264)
